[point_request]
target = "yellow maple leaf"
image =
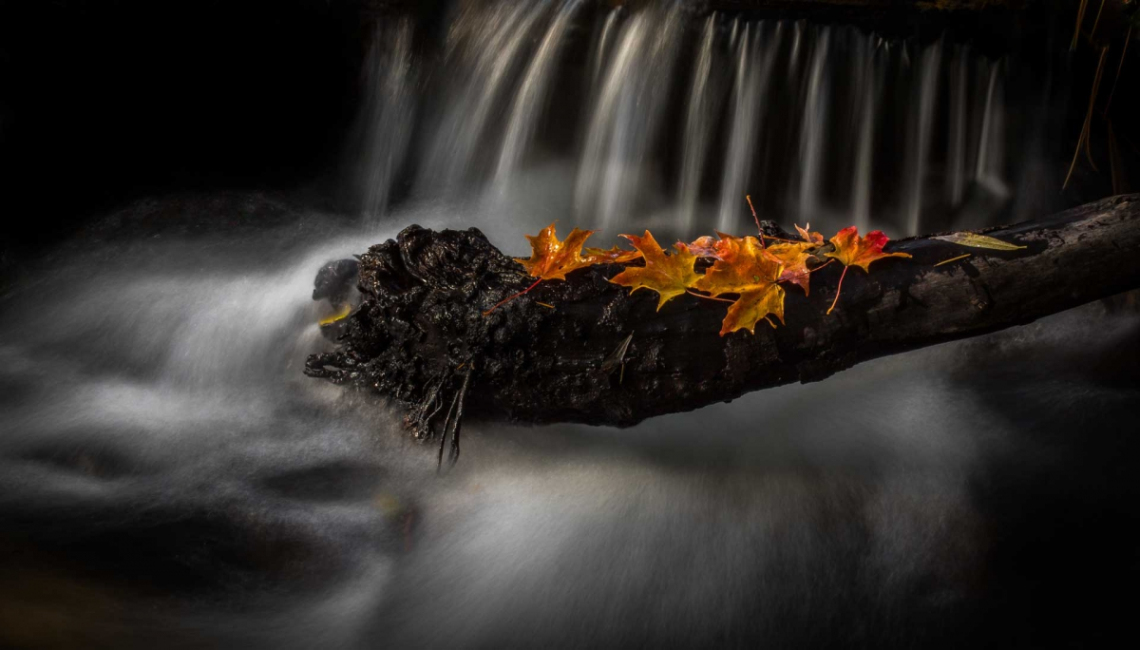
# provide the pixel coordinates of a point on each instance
(746, 269)
(668, 275)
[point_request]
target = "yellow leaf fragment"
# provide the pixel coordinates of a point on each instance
(794, 257)
(668, 275)
(813, 238)
(614, 255)
(974, 240)
(340, 315)
(704, 246)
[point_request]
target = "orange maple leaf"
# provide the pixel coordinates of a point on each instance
(853, 250)
(705, 246)
(746, 269)
(794, 257)
(552, 259)
(668, 275)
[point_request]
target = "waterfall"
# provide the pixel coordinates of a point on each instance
(753, 69)
(656, 113)
(868, 81)
(698, 128)
(988, 168)
(813, 130)
(490, 47)
(532, 94)
(921, 127)
(624, 120)
(956, 156)
(388, 117)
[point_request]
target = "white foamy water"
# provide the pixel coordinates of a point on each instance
(164, 458)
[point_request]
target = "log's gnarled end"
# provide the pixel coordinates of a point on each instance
(604, 356)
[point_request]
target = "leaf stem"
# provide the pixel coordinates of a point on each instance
(838, 289)
(701, 295)
(821, 265)
(757, 220)
(510, 298)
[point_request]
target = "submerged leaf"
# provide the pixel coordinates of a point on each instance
(668, 275)
(974, 240)
(552, 259)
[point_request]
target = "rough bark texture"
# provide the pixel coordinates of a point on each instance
(420, 331)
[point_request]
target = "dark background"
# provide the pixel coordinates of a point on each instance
(105, 101)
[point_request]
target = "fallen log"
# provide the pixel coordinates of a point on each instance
(586, 350)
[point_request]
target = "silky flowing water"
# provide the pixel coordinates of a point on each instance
(169, 478)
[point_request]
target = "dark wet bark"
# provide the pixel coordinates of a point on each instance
(420, 333)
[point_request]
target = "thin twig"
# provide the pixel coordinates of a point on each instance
(1097, 20)
(443, 434)
(1108, 104)
(510, 298)
(1088, 117)
(459, 418)
(954, 259)
(1077, 29)
(755, 218)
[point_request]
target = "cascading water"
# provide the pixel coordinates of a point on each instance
(381, 138)
(532, 95)
(798, 115)
(922, 123)
(698, 129)
(626, 116)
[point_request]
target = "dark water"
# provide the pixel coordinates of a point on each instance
(168, 478)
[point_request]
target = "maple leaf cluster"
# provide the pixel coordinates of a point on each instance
(748, 270)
